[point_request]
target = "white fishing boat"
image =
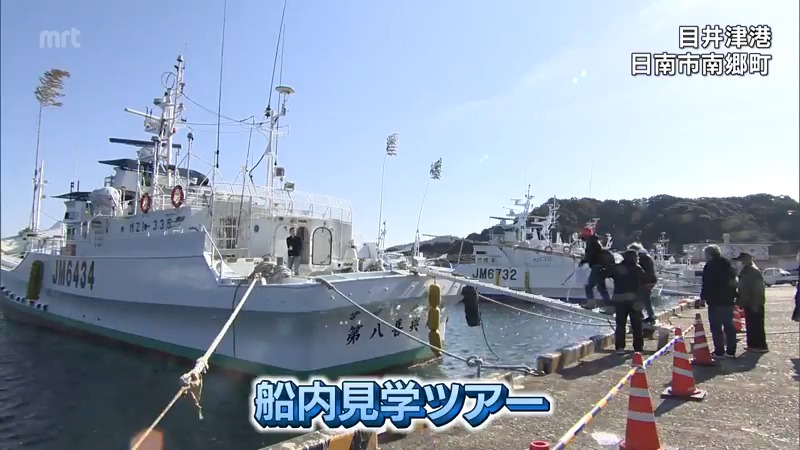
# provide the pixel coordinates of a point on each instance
(676, 275)
(525, 256)
(161, 254)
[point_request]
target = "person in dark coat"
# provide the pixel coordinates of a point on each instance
(718, 291)
(594, 256)
(628, 277)
(648, 283)
(294, 246)
(796, 312)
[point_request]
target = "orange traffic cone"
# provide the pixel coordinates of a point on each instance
(682, 376)
(640, 430)
(738, 319)
(700, 352)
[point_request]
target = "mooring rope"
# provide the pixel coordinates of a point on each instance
(545, 316)
(192, 381)
(550, 303)
(471, 361)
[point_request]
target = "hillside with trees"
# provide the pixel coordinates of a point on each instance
(754, 218)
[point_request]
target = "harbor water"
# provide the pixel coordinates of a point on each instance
(63, 392)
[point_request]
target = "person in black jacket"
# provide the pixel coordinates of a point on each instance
(649, 281)
(594, 256)
(294, 246)
(796, 312)
(718, 291)
(628, 277)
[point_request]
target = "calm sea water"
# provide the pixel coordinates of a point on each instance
(62, 392)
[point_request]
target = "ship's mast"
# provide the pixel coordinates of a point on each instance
(36, 217)
(274, 117)
(172, 111)
(164, 126)
(522, 219)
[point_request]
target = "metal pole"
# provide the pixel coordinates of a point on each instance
(419, 218)
(38, 199)
(380, 208)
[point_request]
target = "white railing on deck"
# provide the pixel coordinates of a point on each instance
(265, 201)
(215, 255)
(51, 246)
(270, 202)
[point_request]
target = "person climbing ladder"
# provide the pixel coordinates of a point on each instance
(596, 259)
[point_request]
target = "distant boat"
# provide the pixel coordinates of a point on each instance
(16, 246)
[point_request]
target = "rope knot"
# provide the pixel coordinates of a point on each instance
(193, 383)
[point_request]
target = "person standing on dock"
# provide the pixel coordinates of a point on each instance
(593, 256)
(796, 312)
(628, 278)
(752, 298)
(294, 245)
(718, 291)
(649, 281)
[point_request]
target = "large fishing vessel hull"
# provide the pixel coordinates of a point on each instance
(178, 305)
(531, 270)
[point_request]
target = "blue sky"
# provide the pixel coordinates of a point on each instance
(512, 94)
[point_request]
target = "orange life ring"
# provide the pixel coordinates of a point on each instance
(145, 202)
(177, 196)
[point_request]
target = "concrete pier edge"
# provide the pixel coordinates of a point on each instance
(548, 363)
(572, 354)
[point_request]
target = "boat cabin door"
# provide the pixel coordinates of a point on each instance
(321, 247)
(302, 232)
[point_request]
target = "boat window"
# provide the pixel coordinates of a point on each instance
(227, 233)
(321, 247)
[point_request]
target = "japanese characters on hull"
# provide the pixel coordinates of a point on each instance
(357, 328)
(746, 55)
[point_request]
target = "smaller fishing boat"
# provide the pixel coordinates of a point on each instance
(524, 256)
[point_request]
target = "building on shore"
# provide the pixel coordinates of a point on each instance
(760, 251)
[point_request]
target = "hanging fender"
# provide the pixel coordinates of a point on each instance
(145, 202)
(470, 298)
(178, 196)
(548, 249)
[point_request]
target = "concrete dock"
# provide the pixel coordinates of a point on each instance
(752, 401)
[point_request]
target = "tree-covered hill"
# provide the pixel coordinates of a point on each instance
(754, 218)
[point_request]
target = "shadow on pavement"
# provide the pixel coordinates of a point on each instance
(796, 364)
(744, 363)
(610, 360)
